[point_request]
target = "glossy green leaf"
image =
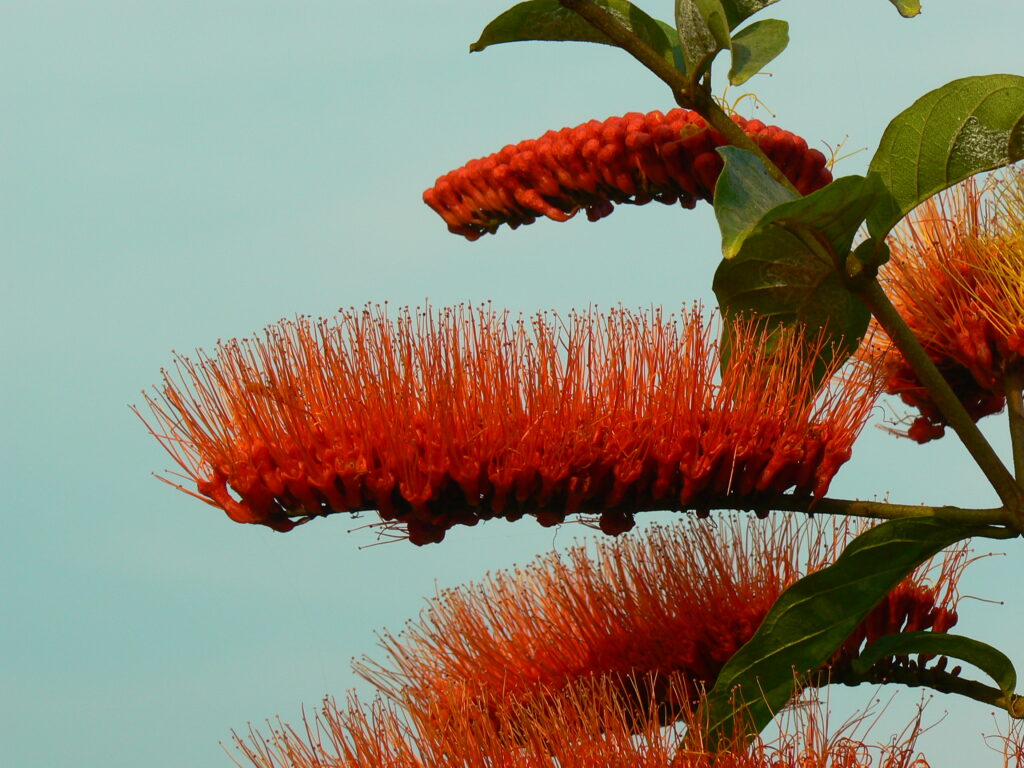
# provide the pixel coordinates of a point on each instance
(548, 20)
(782, 265)
(744, 193)
(703, 29)
(815, 615)
(965, 127)
(989, 660)
(754, 46)
(738, 11)
(907, 8)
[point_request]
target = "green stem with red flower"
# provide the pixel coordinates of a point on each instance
(938, 680)
(998, 519)
(949, 404)
(1015, 410)
(690, 93)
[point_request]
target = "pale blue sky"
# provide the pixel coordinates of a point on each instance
(176, 172)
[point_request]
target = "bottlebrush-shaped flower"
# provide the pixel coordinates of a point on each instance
(957, 277)
(443, 419)
(589, 727)
(633, 159)
(674, 604)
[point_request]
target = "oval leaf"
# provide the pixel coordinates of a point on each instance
(703, 30)
(907, 8)
(756, 45)
(815, 615)
(744, 193)
(704, 27)
(783, 265)
(548, 20)
(786, 285)
(738, 11)
(965, 127)
(989, 660)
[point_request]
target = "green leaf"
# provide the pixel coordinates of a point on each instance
(754, 46)
(780, 260)
(548, 20)
(738, 11)
(965, 127)
(816, 614)
(989, 660)
(907, 8)
(744, 193)
(703, 28)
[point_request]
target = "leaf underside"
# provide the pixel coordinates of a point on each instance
(815, 615)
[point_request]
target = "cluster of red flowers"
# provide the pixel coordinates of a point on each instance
(590, 727)
(634, 159)
(447, 419)
(675, 604)
(957, 277)
(579, 661)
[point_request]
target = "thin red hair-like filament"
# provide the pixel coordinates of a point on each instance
(590, 726)
(956, 277)
(673, 604)
(437, 419)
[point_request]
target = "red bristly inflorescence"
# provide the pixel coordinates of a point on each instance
(672, 606)
(956, 275)
(448, 418)
(633, 159)
(589, 727)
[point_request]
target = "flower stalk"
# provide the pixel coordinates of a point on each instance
(938, 680)
(607, 24)
(946, 400)
(1015, 411)
(687, 92)
(691, 95)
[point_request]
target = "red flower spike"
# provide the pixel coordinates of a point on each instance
(437, 420)
(674, 604)
(956, 275)
(591, 726)
(631, 159)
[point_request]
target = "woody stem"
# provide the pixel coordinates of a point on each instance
(1015, 409)
(945, 399)
(687, 94)
(943, 682)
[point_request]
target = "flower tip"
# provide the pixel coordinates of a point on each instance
(616, 523)
(923, 431)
